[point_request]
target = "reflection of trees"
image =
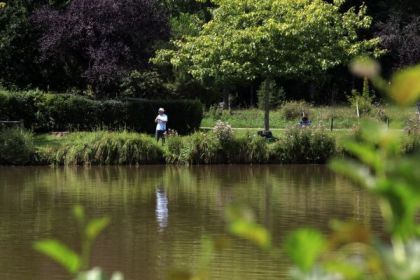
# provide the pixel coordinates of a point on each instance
(35, 203)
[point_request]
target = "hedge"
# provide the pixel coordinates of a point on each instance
(44, 112)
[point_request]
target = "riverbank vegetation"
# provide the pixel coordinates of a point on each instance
(293, 145)
(130, 148)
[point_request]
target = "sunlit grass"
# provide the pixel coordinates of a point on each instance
(344, 117)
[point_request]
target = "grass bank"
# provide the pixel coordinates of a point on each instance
(127, 148)
(344, 117)
(294, 145)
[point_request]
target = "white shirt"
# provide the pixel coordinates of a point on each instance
(161, 122)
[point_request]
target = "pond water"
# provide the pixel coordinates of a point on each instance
(160, 215)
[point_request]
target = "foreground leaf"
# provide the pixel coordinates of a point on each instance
(252, 232)
(405, 86)
(304, 246)
(60, 253)
(95, 227)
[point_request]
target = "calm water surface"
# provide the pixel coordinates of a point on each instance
(160, 214)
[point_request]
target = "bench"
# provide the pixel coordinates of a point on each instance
(4, 124)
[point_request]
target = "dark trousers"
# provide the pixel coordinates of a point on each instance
(160, 134)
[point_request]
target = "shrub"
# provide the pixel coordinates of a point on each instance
(303, 146)
(247, 149)
(223, 131)
(294, 109)
(362, 102)
(63, 112)
(113, 115)
(145, 84)
(16, 146)
(60, 112)
(201, 148)
(19, 106)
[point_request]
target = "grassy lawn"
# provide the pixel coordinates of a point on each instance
(344, 117)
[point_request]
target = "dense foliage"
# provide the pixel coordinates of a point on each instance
(402, 36)
(98, 42)
(102, 47)
(249, 40)
(61, 112)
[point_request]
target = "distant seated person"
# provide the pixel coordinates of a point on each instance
(304, 122)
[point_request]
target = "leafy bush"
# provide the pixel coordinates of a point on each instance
(294, 109)
(254, 149)
(19, 106)
(64, 112)
(362, 102)
(145, 84)
(61, 112)
(16, 146)
(303, 146)
(223, 131)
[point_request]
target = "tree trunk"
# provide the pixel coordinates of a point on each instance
(266, 110)
(312, 90)
(251, 91)
(225, 99)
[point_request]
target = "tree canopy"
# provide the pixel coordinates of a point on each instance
(98, 42)
(246, 40)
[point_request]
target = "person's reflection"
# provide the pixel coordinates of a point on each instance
(161, 208)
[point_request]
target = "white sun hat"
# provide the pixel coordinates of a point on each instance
(161, 110)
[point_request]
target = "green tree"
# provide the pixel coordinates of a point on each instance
(249, 40)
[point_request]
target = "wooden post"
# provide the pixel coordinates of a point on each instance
(357, 109)
(332, 124)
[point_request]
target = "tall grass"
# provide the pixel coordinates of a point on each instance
(16, 147)
(104, 148)
(295, 146)
(303, 146)
(127, 148)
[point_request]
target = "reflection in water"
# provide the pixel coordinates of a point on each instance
(161, 208)
(35, 204)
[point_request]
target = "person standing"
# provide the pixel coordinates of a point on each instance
(161, 121)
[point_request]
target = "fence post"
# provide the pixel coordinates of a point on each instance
(332, 124)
